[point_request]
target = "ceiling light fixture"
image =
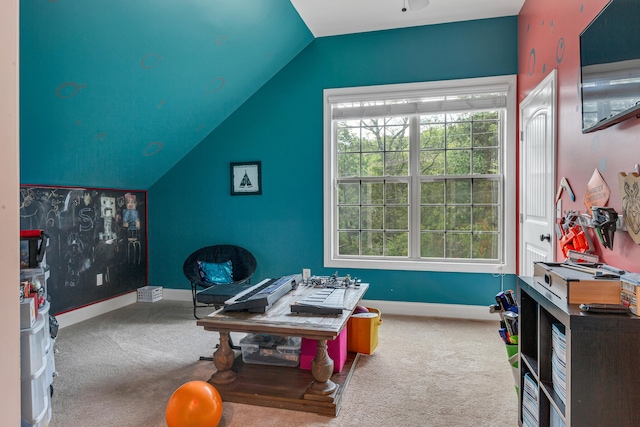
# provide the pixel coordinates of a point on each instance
(415, 4)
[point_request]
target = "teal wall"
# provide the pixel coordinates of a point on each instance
(113, 93)
(281, 125)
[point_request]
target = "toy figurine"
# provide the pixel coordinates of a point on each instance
(131, 222)
(107, 212)
(130, 216)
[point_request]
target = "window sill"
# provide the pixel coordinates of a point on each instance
(453, 267)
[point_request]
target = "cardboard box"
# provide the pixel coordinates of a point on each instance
(576, 287)
(629, 287)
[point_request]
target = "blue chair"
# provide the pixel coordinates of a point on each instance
(242, 261)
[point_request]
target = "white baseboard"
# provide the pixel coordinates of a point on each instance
(453, 311)
(177, 294)
(456, 311)
(84, 313)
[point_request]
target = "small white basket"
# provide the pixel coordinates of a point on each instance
(150, 294)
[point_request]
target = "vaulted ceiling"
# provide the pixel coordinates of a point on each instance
(115, 92)
(332, 17)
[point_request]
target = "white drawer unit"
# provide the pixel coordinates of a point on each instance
(32, 347)
(37, 368)
(35, 396)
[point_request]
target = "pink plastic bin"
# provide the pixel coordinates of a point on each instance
(337, 350)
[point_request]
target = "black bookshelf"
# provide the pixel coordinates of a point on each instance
(602, 360)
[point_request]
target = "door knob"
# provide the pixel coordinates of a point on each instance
(546, 237)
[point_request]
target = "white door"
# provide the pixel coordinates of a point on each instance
(537, 174)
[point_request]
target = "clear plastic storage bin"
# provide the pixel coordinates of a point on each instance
(44, 312)
(35, 397)
(33, 342)
(43, 420)
(50, 369)
(271, 349)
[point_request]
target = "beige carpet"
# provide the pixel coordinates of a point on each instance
(120, 369)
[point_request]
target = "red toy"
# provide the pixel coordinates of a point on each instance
(574, 236)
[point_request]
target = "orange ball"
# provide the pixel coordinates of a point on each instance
(194, 404)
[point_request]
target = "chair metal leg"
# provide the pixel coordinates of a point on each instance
(193, 296)
(194, 291)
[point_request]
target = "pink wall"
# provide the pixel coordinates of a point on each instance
(548, 38)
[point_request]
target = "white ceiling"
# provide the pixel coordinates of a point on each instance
(334, 17)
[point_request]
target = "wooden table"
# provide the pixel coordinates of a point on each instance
(319, 391)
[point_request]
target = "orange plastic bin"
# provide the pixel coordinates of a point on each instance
(362, 331)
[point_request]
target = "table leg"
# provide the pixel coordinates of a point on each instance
(322, 369)
(223, 359)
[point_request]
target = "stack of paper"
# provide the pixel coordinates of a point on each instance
(529, 402)
(559, 361)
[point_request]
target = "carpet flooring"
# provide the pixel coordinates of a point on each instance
(121, 368)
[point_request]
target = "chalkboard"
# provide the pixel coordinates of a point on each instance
(97, 241)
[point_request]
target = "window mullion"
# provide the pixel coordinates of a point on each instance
(414, 187)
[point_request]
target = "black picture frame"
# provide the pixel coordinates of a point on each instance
(246, 178)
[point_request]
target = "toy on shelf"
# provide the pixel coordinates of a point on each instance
(604, 221)
(573, 235)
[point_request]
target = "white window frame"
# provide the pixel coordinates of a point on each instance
(408, 90)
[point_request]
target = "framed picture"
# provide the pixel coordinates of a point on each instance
(246, 179)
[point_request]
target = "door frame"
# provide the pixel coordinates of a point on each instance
(551, 81)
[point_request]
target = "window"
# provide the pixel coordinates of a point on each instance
(421, 176)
